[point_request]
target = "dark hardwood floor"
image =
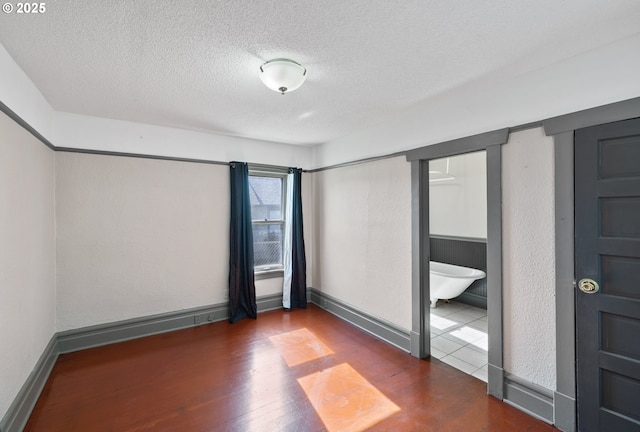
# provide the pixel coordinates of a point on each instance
(304, 370)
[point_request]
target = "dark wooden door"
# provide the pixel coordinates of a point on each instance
(607, 223)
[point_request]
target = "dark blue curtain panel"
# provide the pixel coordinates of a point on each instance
(242, 289)
(298, 258)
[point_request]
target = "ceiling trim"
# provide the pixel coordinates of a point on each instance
(16, 118)
(137, 155)
(19, 120)
(359, 161)
(616, 111)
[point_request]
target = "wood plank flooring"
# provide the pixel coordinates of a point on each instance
(304, 370)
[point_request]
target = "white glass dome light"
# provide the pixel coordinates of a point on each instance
(282, 75)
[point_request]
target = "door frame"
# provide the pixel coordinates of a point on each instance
(562, 130)
(490, 142)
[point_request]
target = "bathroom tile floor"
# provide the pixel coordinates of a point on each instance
(459, 337)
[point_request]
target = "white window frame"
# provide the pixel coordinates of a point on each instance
(264, 272)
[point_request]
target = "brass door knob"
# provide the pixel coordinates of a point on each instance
(588, 286)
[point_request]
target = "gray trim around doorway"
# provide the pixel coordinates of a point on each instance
(419, 159)
(565, 394)
(420, 256)
(494, 270)
(562, 129)
(459, 146)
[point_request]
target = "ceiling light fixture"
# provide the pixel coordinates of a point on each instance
(436, 176)
(282, 75)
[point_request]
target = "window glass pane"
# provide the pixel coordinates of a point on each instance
(267, 245)
(266, 198)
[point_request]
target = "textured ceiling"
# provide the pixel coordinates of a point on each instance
(194, 64)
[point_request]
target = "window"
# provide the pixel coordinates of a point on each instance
(267, 191)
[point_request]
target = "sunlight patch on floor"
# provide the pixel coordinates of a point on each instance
(442, 323)
(468, 334)
(344, 400)
(300, 346)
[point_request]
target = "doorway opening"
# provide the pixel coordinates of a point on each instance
(457, 235)
(490, 143)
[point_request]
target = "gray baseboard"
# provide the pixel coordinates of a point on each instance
(270, 302)
(472, 300)
(120, 331)
(564, 412)
(19, 411)
(528, 397)
(379, 328)
(495, 385)
(104, 334)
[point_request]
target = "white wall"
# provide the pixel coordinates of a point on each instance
(308, 221)
(529, 257)
(137, 237)
(18, 92)
(362, 237)
(458, 207)
(27, 256)
(94, 133)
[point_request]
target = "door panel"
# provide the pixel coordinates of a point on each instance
(620, 217)
(607, 221)
(618, 156)
(620, 276)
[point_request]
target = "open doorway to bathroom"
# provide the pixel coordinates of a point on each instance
(458, 261)
(491, 143)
